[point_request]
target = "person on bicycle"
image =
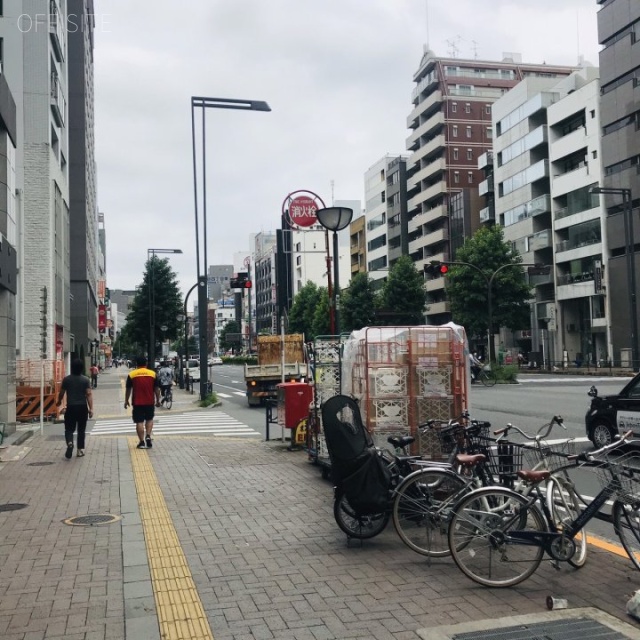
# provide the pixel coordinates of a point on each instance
(476, 366)
(165, 378)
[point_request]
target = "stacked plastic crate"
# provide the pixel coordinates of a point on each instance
(405, 376)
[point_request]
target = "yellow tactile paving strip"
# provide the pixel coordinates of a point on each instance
(180, 612)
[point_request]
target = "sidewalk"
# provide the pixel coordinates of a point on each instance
(234, 539)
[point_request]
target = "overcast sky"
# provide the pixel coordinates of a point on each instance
(336, 73)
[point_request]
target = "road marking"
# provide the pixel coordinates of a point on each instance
(588, 380)
(223, 395)
(195, 423)
(240, 393)
(181, 615)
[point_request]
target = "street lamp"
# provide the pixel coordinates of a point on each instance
(631, 272)
(151, 254)
(203, 104)
(335, 219)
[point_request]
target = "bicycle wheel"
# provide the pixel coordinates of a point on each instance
(626, 524)
(565, 508)
(488, 378)
(422, 509)
(355, 526)
(478, 532)
(168, 401)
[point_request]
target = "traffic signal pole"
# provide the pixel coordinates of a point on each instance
(437, 266)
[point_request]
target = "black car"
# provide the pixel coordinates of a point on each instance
(610, 415)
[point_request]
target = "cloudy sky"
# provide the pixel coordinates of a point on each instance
(336, 73)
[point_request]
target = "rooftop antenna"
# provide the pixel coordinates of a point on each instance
(474, 48)
(426, 2)
(332, 192)
(452, 47)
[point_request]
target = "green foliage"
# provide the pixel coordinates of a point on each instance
(358, 304)
(231, 327)
(160, 281)
(322, 316)
(210, 399)
(402, 299)
(178, 345)
(303, 310)
(505, 374)
(467, 289)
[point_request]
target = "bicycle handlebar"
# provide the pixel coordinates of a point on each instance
(555, 420)
(591, 456)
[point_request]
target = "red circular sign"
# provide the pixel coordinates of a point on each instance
(302, 211)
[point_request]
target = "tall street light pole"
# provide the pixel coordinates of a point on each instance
(335, 219)
(631, 272)
(203, 104)
(151, 260)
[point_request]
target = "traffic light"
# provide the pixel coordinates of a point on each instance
(43, 322)
(435, 268)
(241, 281)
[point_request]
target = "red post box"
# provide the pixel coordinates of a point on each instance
(294, 399)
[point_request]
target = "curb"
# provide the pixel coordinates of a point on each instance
(25, 435)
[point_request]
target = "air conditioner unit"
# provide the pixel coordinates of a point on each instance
(571, 328)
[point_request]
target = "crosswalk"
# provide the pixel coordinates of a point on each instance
(214, 423)
(221, 394)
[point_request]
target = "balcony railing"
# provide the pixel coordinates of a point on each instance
(541, 240)
(573, 278)
(58, 103)
(567, 245)
(56, 31)
(487, 214)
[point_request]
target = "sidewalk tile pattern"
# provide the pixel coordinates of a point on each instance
(180, 611)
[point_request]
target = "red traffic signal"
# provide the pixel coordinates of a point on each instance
(444, 268)
(246, 284)
(435, 267)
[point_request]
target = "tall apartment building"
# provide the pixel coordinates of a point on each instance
(218, 280)
(619, 34)
(83, 208)
(264, 282)
(358, 245)
(375, 197)
(34, 61)
(546, 159)
(451, 128)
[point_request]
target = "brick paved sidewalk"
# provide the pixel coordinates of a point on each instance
(256, 526)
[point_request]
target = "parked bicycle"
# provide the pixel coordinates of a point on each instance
(498, 537)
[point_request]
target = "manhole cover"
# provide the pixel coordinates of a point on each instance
(92, 519)
(39, 464)
(552, 630)
(13, 506)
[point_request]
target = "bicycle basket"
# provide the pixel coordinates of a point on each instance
(505, 460)
(551, 456)
(450, 437)
(623, 473)
(478, 439)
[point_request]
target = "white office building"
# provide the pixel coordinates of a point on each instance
(546, 158)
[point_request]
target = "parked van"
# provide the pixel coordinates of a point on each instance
(193, 368)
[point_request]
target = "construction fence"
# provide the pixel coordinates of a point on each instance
(28, 376)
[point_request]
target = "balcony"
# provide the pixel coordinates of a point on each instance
(436, 120)
(486, 186)
(569, 144)
(535, 207)
(429, 193)
(423, 106)
(416, 222)
(437, 308)
(541, 240)
(487, 214)
(56, 31)
(435, 237)
(571, 180)
(426, 172)
(435, 284)
(58, 103)
(485, 160)
(569, 245)
(415, 245)
(423, 85)
(426, 149)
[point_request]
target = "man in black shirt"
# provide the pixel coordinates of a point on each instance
(79, 407)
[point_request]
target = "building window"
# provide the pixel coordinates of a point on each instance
(456, 177)
(454, 107)
(487, 109)
(594, 154)
(469, 154)
(454, 130)
(467, 107)
(468, 132)
(593, 113)
(470, 177)
(298, 246)
(455, 153)
(489, 133)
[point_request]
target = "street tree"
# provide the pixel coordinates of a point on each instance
(321, 318)
(467, 288)
(303, 309)
(358, 304)
(159, 283)
(402, 299)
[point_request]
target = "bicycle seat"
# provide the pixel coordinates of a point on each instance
(534, 476)
(467, 459)
(400, 442)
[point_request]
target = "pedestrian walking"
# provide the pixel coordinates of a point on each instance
(143, 389)
(94, 371)
(79, 407)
